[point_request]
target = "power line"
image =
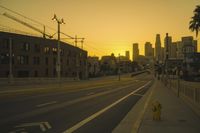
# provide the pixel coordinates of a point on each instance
(96, 49)
(26, 17)
(21, 15)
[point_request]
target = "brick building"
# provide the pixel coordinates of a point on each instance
(37, 57)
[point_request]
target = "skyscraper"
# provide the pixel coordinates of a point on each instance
(168, 47)
(135, 51)
(148, 49)
(179, 50)
(158, 48)
(127, 54)
(173, 50)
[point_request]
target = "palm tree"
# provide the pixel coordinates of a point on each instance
(195, 22)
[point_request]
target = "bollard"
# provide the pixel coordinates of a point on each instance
(156, 108)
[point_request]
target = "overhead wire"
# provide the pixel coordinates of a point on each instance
(70, 37)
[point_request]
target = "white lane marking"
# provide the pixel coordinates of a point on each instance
(141, 114)
(83, 122)
(47, 125)
(45, 104)
(43, 125)
(91, 93)
(21, 130)
(60, 105)
(138, 94)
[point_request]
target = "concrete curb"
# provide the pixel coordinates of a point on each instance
(132, 121)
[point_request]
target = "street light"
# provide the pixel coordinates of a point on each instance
(59, 21)
(166, 59)
(10, 61)
(119, 78)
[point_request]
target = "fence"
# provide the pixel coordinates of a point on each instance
(188, 91)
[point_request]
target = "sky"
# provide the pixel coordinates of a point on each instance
(108, 26)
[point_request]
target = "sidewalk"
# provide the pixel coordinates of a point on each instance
(176, 116)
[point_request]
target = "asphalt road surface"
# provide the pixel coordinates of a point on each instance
(94, 106)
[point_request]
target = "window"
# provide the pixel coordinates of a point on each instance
(54, 61)
(22, 59)
(26, 46)
(5, 44)
(47, 72)
(61, 51)
(4, 58)
(37, 48)
(36, 60)
(36, 74)
(69, 53)
(54, 72)
(66, 74)
(46, 61)
(46, 50)
(54, 50)
(67, 62)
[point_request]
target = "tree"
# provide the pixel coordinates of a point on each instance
(195, 21)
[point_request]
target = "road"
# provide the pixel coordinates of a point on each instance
(83, 107)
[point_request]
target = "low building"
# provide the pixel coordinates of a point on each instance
(37, 57)
(125, 64)
(145, 61)
(191, 67)
(93, 66)
(108, 65)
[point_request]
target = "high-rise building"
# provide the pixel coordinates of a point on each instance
(148, 50)
(127, 54)
(195, 45)
(167, 46)
(179, 50)
(189, 45)
(153, 50)
(173, 50)
(135, 51)
(186, 45)
(158, 48)
(162, 55)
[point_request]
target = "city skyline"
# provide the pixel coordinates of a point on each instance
(111, 26)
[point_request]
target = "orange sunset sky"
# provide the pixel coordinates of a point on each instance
(109, 26)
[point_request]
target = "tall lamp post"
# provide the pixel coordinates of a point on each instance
(167, 56)
(119, 78)
(10, 61)
(58, 68)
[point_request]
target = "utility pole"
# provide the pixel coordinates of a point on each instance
(178, 80)
(167, 56)
(77, 66)
(119, 78)
(76, 40)
(58, 65)
(82, 43)
(10, 61)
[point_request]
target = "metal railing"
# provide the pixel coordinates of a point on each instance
(190, 91)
